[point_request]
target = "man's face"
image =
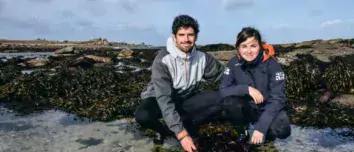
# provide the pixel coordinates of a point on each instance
(185, 38)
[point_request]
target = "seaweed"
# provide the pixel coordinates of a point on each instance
(8, 73)
(303, 77)
(339, 76)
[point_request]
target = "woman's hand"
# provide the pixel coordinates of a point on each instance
(257, 137)
(255, 94)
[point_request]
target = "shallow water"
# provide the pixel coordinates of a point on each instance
(57, 131)
(25, 55)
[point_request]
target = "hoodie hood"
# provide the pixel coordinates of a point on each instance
(177, 53)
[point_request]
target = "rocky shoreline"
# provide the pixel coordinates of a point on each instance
(104, 85)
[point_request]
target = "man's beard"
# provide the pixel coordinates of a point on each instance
(186, 49)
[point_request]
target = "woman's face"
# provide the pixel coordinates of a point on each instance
(249, 49)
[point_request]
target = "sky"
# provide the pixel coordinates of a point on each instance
(150, 21)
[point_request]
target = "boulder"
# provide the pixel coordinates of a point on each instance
(345, 99)
(62, 55)
(10, 51)
(84, 62)
(99, 59)
(78, 51)
(305, 44)
(223, 55)
(37, 62)
(125, 53)
(66, 50)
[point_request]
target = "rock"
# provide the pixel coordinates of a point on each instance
(316, 52)
(345, 99)
(62, 55)
(216, 47)
(78, 51)
(305, 44)
(148, 55)
(286, 59)
(223, 55)
(65, 50)
(323, 46)
(99, 64)
(125, 53)
(335, 41)
(288, 45)
(10, 51)
(22, 64)
(84, 62)
(99, 59)
(37, 62)
(352, 46)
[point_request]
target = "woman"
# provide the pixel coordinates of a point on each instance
(253, 88)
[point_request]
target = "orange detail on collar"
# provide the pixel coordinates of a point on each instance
(267, 53)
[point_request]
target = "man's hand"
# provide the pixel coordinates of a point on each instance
(188, 144)
(257, 137)
(255, 94)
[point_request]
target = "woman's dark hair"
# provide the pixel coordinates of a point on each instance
(184, 21)
(246, 33)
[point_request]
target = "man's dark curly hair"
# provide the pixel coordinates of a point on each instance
(184, 21)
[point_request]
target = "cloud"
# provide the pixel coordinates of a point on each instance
(36, 25)
(331, 22)
(234, 4)
(128, 5)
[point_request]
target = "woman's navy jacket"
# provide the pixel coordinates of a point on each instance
(266, 76)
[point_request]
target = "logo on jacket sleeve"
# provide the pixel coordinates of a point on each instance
(227, 71)
(279, 76)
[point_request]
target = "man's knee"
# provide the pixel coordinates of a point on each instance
(142, 116)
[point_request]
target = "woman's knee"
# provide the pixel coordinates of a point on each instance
(281, 126)
(232, 102)
(285, 133)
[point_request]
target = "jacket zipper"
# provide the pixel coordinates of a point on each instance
(185, 66)
(251, 76)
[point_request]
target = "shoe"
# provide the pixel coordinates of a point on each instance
(243, 135)
(159, 139)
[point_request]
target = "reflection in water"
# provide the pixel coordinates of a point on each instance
(58, 131)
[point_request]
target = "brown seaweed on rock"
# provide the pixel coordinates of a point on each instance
(323, 115)
(339, 76)
(303, 76)
(97, 94)
(27, 93)
(8, 73)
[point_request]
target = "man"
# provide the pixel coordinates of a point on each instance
(177, 72)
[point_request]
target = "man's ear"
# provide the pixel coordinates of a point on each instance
(174, 37)
(196, 37)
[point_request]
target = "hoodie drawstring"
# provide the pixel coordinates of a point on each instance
(185, 66)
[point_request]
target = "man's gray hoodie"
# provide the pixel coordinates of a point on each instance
(177, 75)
